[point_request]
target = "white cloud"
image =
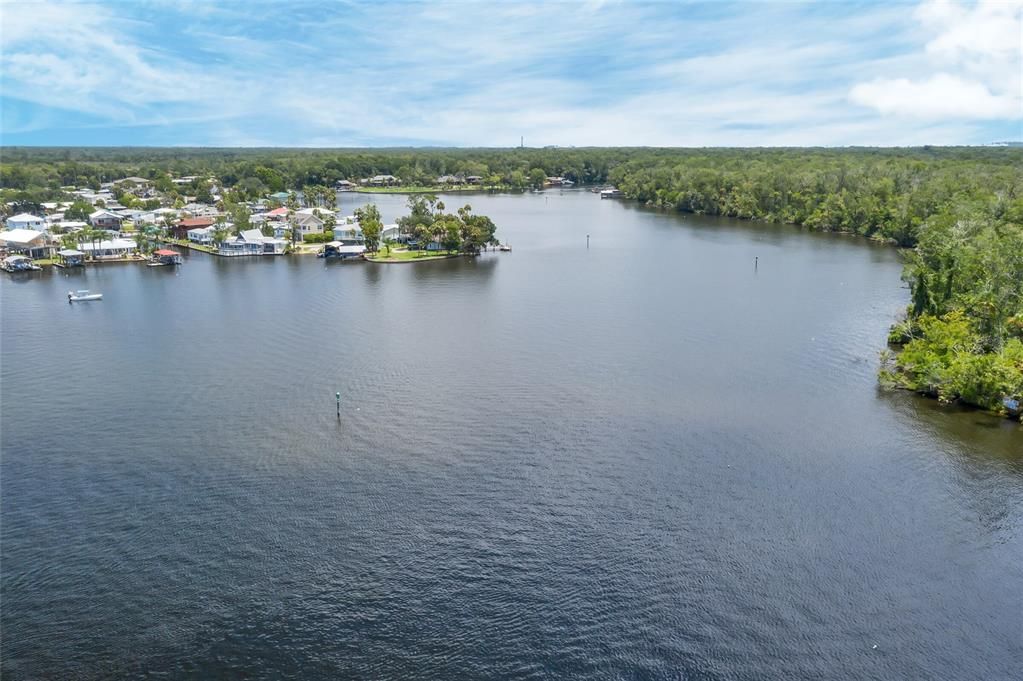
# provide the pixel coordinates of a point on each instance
(938, 97)
(482, 74)
(969, 67)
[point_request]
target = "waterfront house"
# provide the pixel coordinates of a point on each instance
(349, 235)
(309, 221)
(252, 242)
(26, 221)
(109, 249)
(105, 219)
(450, 179)
(280, 197)
(380, 181)
(181, 229)
(345, 185)
(201, 235)
(390, 233)
(28, 242)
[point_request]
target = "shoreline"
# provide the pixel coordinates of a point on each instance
(402, 261)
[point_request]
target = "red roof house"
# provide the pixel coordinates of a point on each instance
(181, 229)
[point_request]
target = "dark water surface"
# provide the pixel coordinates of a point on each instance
(643, 460)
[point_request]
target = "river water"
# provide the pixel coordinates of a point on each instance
(641, 459)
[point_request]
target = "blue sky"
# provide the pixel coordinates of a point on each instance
(173, 73)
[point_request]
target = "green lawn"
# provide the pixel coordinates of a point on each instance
(188, 244)
(44, 262)
(409, 256)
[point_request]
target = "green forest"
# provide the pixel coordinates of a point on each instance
(956, 211)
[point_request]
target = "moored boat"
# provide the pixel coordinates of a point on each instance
(82, 296)
(18, 263)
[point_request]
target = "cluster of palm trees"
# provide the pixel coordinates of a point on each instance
(146, 239)
(319, 196)
(74, 240)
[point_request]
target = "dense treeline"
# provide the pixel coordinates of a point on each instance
(41, 172)
(885, 194)
(963, 335)
(959, 208)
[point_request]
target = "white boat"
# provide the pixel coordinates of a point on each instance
(82, 296)
(504, 247)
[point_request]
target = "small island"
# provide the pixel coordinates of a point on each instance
(426, 233)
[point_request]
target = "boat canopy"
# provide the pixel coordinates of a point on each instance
(16, 258)
(69, 253)
(165, 252)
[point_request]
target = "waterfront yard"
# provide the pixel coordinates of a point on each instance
(393, 255)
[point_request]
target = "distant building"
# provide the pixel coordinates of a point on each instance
(26, 221)
(105, 219)
(200, 210)
(380, 181)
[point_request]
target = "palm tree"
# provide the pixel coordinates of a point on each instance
(294, 229)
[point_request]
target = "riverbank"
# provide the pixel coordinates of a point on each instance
(402, 256)
(961, 338)
(422, 189)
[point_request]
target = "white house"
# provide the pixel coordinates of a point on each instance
(252, 242)
(109, 248)
(26, 221)
(105, 219)
(65, 226)
(28, 242)
(349, 235)
(200, 210)
(390, 233)
(202, 235)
